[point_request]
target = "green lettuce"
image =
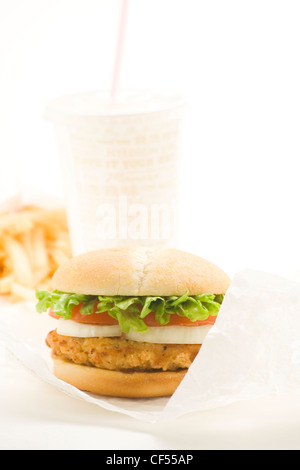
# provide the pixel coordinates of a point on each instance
(130, 312)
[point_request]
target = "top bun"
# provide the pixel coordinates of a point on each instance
(139, 271)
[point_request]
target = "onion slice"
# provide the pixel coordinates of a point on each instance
(171, 334)
(161, 334)
(86, 330)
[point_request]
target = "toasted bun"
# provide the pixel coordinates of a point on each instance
(116, 383)
(138, 271)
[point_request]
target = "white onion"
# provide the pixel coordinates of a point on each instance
(171, 334)
(86, 330)
(155, 334)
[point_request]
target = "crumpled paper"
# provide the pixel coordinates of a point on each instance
(252, 351)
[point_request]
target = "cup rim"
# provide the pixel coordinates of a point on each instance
(68, 106)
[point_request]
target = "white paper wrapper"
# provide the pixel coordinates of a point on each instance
(252, 351)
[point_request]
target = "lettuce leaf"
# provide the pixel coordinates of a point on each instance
(131, 311)
(62, 304)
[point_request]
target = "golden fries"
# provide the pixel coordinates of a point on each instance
(34, 242)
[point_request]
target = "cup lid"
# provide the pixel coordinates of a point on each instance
(98, 104)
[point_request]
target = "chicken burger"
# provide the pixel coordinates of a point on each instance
(130, 321)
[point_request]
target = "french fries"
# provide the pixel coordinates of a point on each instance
(34, 242)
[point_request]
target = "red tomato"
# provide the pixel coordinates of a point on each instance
(178, 321)
(94, 318)
(105, 319)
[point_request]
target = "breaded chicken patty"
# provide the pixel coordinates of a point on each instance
(122, 354)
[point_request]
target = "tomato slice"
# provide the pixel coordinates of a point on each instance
(93, 319)
(105, 319)
(179, 321)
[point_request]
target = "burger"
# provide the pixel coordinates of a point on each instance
(130, 321)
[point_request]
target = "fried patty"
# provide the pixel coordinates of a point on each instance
(121, 353)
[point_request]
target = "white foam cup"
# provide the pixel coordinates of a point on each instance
(120, 162)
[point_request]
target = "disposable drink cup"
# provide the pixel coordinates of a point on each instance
(120, 165)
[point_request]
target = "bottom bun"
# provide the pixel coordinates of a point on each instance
(116, 383)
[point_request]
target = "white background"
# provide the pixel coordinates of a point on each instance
(236, 61)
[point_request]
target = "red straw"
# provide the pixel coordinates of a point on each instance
(119, 50)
